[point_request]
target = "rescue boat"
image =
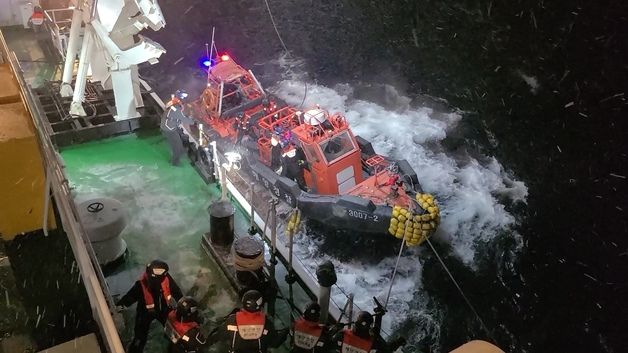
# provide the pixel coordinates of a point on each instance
(309, 159)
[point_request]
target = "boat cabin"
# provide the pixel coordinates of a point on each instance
(331, 150)
(231, 91)
(235, 105)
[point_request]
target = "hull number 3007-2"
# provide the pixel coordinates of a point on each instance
(363, 215)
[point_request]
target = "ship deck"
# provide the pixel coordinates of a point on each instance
(166, 208)
(166, 217)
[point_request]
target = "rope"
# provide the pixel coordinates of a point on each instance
(304, 95)
(392, 278)
(243, 264)
(458, 286)
(272, 19)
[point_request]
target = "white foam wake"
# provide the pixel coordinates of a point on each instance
(469, 191)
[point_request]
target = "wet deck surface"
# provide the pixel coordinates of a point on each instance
(166, 209)
(35, 53)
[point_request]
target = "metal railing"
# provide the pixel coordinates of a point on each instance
(4, 49)
(95, 285)
(58, 23)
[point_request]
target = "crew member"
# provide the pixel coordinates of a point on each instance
(275, 154)
(170, 121)
(395, 182)
(360, 340)
(183, 327)
(155, 292)
(270, 107)
(293, 162)
(37, 18)
(249, 329)
(310, 336)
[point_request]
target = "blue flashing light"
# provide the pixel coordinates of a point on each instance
(205, 63)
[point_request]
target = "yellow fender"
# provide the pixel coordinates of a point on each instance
(293, 222)
(415, 228)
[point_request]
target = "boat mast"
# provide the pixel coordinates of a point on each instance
(210, 53)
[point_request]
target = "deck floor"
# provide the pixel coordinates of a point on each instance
(35, 53)
(166, 208)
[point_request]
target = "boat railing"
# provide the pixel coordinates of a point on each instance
(338, 121)
(96, 287)
(247, 89)
(283, 118)
(308, 278)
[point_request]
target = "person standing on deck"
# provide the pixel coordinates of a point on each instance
(155, 294)
(170, 121)
(293, 163)
(275, 154)
(249, 329)
(310, 336)
(361, 340)
(37, 18)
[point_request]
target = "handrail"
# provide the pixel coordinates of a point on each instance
(54, 29)
(91, 274)
(306, 276)
(4, 49)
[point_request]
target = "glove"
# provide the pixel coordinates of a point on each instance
(172, 303)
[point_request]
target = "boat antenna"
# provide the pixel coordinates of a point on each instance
(212, 49)
(209, 51)
(210, 60)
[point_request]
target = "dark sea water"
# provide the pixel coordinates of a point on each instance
(542, 85)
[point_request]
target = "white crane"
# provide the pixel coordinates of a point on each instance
(112, 49)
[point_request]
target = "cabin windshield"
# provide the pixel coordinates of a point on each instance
(337, 147)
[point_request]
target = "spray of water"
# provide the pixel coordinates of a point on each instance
(473, 194)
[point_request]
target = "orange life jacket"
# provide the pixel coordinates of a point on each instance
(250, 326)
(176, 330)
(148, 297)
(37, 18)
(351, 343)
(307, 333)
